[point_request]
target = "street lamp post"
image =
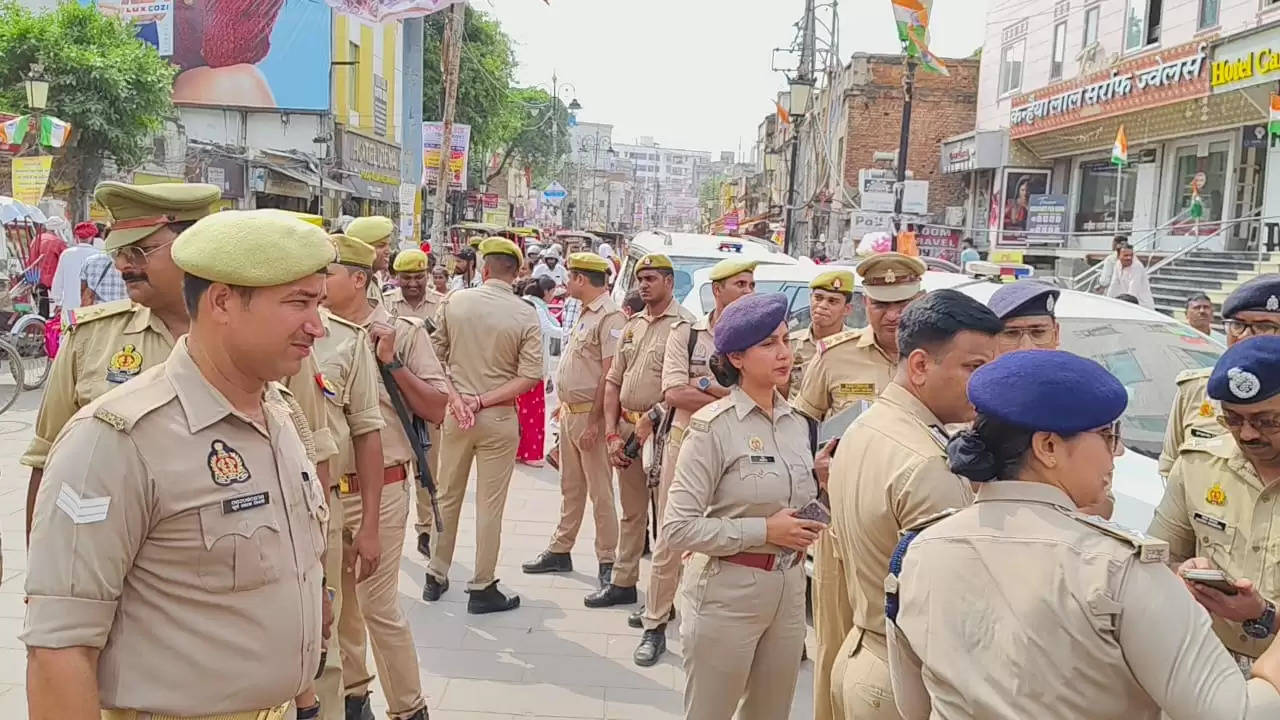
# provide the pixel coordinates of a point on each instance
(592, 144)
(325, 137)
(801, 89)
(37, 87)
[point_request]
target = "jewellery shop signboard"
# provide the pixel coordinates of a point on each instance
(1159, 78)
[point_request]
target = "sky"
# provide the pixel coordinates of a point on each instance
(695, 74)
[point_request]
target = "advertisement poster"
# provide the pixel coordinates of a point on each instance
(1047, 218)
(238, 53)
(30, 175)
(1020, 185)
(939, 242)
(378, 11)
(432, 133)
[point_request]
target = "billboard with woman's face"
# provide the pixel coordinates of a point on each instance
(1011, 207)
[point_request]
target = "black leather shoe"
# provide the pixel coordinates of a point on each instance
(358, 708)
(611, 595)
(432, 588)
(491, 600)
(548, 562)
(424, 545)
(605, 574)
(420, 715)
(652, 644)
(636, 619)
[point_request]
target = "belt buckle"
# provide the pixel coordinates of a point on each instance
(783, 562)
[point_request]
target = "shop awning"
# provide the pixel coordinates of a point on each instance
(372, 190)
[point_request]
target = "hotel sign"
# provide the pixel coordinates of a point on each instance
(1247, 61)
(1152, 80)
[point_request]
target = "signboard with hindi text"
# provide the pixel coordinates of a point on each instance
(432, 134)
(30, 175)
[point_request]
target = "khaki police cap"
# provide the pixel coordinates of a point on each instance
(840, 281)
(500, 246)
(891, 276)
(411, 260)
(139, 210)
(353, 252)
(475, 241)
(252, 248)
(654, 261)
(587, 261)
(726, 269)
(375, 229)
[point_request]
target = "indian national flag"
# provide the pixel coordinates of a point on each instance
(54, 132)
(783, 115)
(1274, 125)
(13, 131)
(1120, 151)
(912, 14)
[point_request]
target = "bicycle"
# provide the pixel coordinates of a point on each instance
(26, 329)
(11, 373)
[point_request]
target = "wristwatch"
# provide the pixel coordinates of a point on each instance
(395, 364)
(704, 383)
(1260, 628)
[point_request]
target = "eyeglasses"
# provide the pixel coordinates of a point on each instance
(1111, 435)
(1265, 424)
(1039, 334)
(1241, 327)
(134, 255)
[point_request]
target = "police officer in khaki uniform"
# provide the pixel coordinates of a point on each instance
(851, 366)
(153, 578)
(830, 302)
(688, 385)
(374, 230)
(490, 342)
(404, 349)
(1024, 580)
(633, 388)
(584, 460)
(744, 471)
(1219, 508)
(890, 472)
(1251, 309)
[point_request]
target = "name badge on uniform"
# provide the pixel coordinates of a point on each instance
(868, 389)
(1202, 434)
(761, 459)
(245, 502)
(1210, 521)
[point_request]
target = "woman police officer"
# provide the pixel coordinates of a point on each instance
(1020, 606)
(744, 470)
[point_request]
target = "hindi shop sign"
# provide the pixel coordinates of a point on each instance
(1047, 217)
(1153, 80)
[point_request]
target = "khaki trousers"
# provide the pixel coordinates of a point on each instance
(832, 620)
(743, 631)
(329, 687)
(491, 443)
(421, 496)
(633, 492)
(585, 472)
(860, 684)
(374, 604)
(664, 566)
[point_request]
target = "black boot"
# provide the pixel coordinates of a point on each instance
(548, 562)
(424, 544)
(432, 588)
(605, 573)
(491, 600)
(420, 715)
(636, 619)
(652, 644)
(611, 595)
(358, 707)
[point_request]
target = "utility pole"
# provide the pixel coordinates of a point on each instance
(908, 89)
(452, 51)
(805, 78)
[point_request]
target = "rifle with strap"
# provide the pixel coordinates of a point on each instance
(419, 441)
(660, 435)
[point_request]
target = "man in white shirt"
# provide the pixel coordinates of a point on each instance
(1130, 278)
(551, 267)
(65, 291)
(1108, 265)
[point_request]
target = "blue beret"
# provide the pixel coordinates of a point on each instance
(1262, 293)
(749, 320)
(1049, 390)
(1024, 298)
(1248, 372)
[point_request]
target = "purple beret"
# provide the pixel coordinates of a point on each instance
(1248, 372)
(1048, 390)
(749, 320)
(1024, 298)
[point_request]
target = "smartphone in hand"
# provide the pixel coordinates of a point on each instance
(815, 510)
(1215, 579)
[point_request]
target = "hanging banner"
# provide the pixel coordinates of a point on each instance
(379, 11)
(30, 175)
(432, 133)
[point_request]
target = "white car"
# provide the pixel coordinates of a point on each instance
(690, 253)
(1144, 349)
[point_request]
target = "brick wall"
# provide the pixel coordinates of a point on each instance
(942, 107)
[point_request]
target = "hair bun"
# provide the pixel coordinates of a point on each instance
(969, 456)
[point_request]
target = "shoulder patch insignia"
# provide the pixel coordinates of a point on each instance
(827, 343)
(702, 419)
(412, 321)
(80, 316)
(343, 321)
(939, 436)
(110, 418)
(926, 522)
(1188, 375)
(1149, 549)
(226, 465)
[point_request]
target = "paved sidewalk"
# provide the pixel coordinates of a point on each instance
(552, 658)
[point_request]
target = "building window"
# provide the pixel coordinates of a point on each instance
(1059, 57)
(1091, 25)
(353, 87)
(1208, 14)
(1011, 67)
(1142, 24)
(1187, 163)
(1097, 210)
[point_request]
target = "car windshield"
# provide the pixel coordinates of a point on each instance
(797, 303)
(1146, 357)
(685, 267)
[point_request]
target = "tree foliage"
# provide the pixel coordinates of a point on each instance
(113, 88)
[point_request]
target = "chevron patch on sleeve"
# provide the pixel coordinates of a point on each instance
(82, 510)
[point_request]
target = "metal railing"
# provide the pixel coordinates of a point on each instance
(1085, 280)
(1200, 241)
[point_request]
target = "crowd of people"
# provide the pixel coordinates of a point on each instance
(964, 565)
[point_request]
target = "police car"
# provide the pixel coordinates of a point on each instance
(689, 253)
(1143, 348)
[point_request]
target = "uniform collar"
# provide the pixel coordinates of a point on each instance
(704, 322)
(900, 396)
(499, 283)
(743, 404)
(1014, 490)
(867, 338)
(672, 308)
(379, 314)
(598, 302)
(143, 319)
(202, 403)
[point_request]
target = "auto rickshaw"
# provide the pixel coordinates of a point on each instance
(577, 241)
(522, 236)
(460, 235)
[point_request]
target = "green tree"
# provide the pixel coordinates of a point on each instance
(534, 132)
(113, 88)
